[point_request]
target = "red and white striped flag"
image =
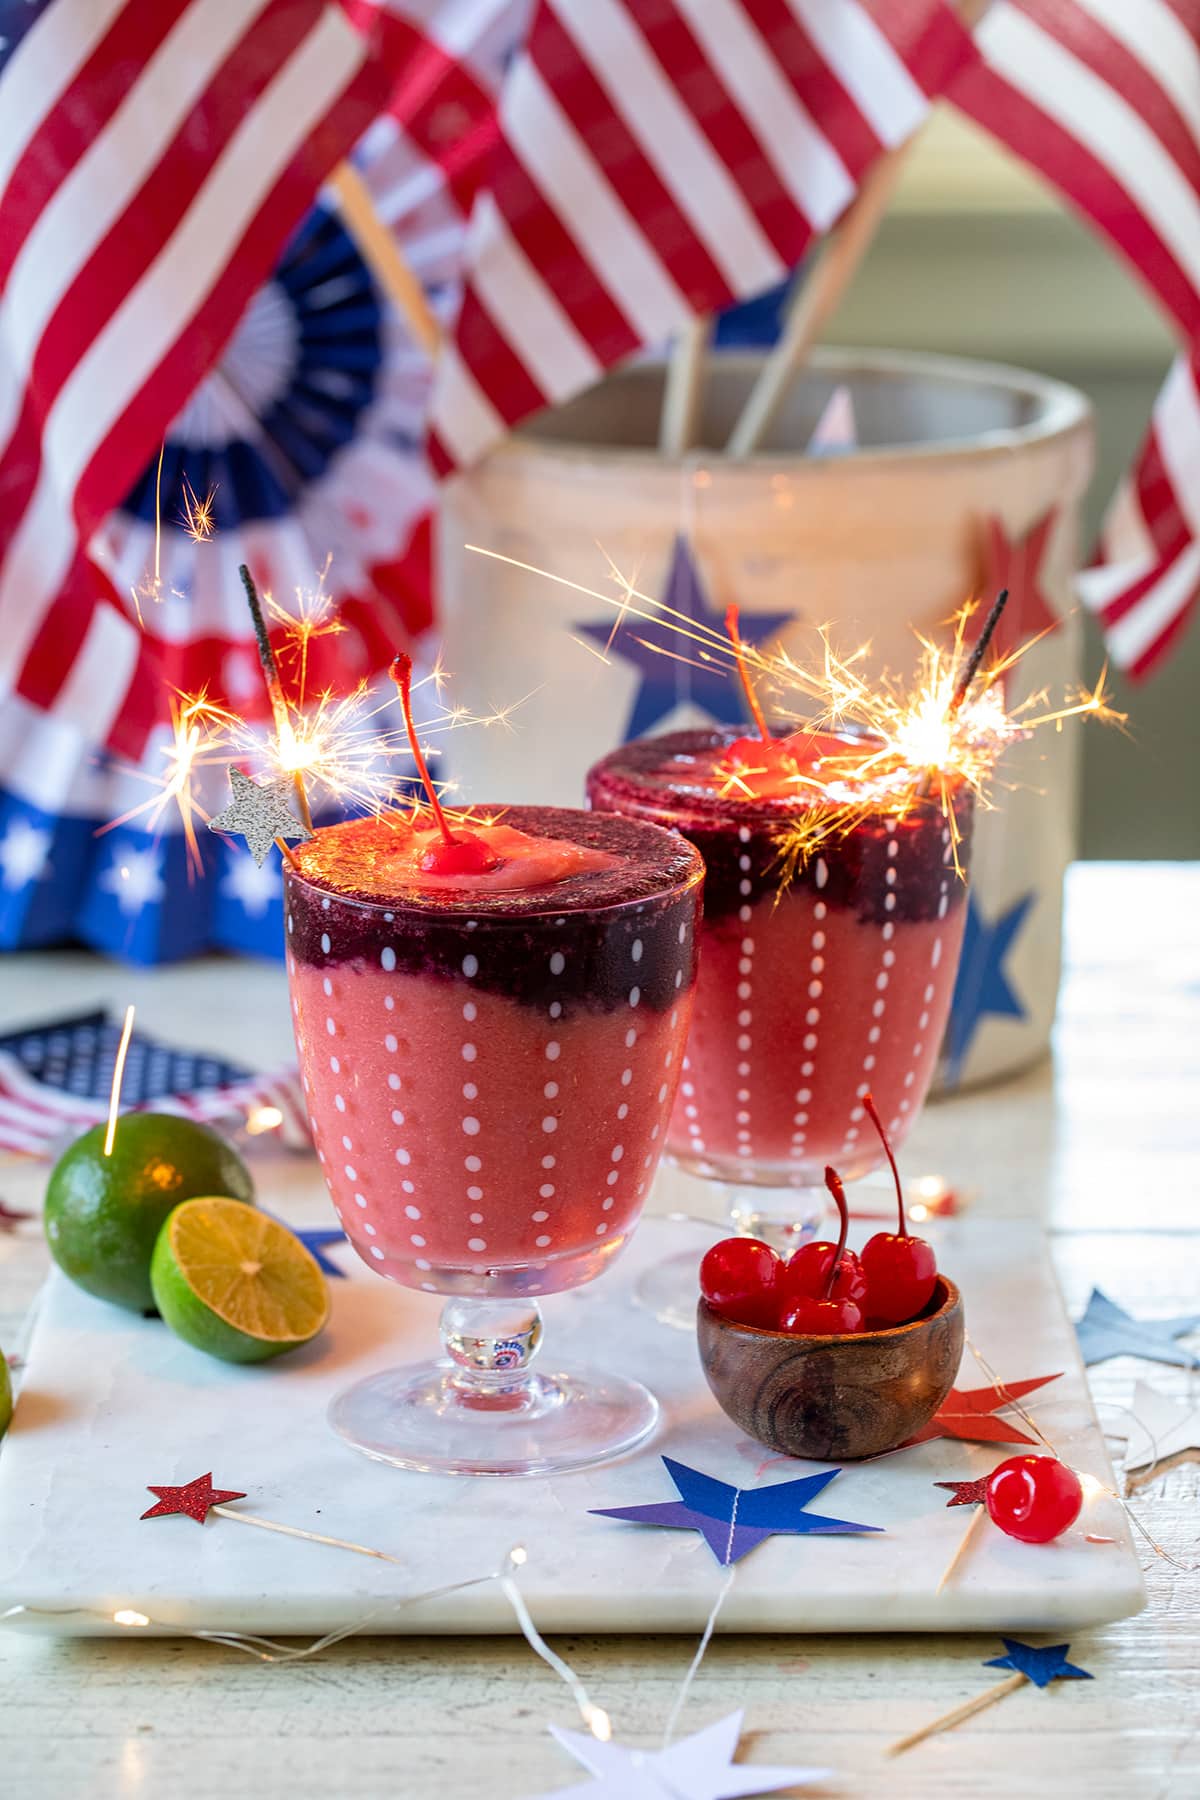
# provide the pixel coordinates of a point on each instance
(154, 156)
(663, 158)
(1103, 98)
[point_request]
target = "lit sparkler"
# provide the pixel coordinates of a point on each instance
(934, 736)
(200, 738)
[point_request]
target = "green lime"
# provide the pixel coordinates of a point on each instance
(103, 1213)
(5, 1395)
(236, 1283)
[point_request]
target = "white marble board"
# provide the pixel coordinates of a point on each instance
(110, 1404)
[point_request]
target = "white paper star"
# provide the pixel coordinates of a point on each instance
(260, 814)
(696, 1768)
(24, 850)
(135, 877)
(253, 884)
(1161, 1429)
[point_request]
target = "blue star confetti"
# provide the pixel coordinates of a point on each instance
(982, 989)
(665, 681)
(732, 1520)
(1041, 1666)
(1107, 1330)
(315, 1242)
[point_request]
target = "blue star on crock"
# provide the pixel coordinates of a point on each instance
(732, 1520)
(1041, 1666)
(665, 681)
(1107, 1330)
(982, 988)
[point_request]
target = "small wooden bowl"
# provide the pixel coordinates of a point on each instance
(834, 1399)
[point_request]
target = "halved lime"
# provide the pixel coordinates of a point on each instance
(235, 1283)
(104, 1213)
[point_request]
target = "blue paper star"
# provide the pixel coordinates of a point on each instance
(1106, 1330)
(1041, 1666)
(667, 683)
(733, 1520)
(315, 1241)
(982, 987)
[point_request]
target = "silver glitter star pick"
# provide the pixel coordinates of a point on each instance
(260, 814)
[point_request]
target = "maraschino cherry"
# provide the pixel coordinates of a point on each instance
(458, 853)
(1034, 1498)
(826, 1313)
(901, 1270)
(752, 760)
(807, 1275)
(741, 1278)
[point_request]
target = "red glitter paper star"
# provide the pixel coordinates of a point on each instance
(966, 1493)
(1016, 563)
(965, 1413)
(11, 1216)
(194, 1498)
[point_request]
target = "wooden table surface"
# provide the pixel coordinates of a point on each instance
(1103, 1144)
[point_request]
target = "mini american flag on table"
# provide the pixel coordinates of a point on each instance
(55, 1080)
(1103, 98)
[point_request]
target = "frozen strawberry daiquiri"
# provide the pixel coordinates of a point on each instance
(818, 982)
(490, 1035)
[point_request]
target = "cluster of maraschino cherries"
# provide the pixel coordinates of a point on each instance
(825, 1289)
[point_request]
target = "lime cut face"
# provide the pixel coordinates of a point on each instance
(236, 1284)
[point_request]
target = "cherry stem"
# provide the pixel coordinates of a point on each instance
(869, 1102)
(739, 651)
(971, 666)
(833, 1182)
(401, 674)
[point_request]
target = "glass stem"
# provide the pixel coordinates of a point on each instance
(491, 1345)
(783, 1217)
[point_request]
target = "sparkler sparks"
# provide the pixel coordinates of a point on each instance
(200, 736)
(197, 520)
(905, 743)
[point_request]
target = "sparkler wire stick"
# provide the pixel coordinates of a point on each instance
(114, 1098)
(971, 668)
(270, 669)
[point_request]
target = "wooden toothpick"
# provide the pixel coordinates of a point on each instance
(948, 1720)
(963, 1542)
(681, 387)
(313, 1537)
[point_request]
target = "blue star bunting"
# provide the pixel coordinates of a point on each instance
(314, 1241)
(733, 1520)
(982, 987)
(667, 683)
(1041, 1666)
(1106, 1330)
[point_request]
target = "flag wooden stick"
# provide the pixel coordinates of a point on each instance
(681, 388)
(963, 1542)
(948, 1720)
(814, 305)
(382, 255)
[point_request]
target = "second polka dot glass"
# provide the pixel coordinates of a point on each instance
(489, 1084)
(812, 991)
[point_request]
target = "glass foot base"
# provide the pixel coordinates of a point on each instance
(422, 1418)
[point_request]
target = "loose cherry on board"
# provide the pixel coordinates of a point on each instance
(901, 1270)
(740, 1277)
(1034, 1498)
(825, 1313)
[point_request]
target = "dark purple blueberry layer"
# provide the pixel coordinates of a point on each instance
(667, 781)
(620, 936)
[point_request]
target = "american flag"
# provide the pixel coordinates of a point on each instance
(659, 159)
(55, 1079)
(1103, 98)
(154, 155)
